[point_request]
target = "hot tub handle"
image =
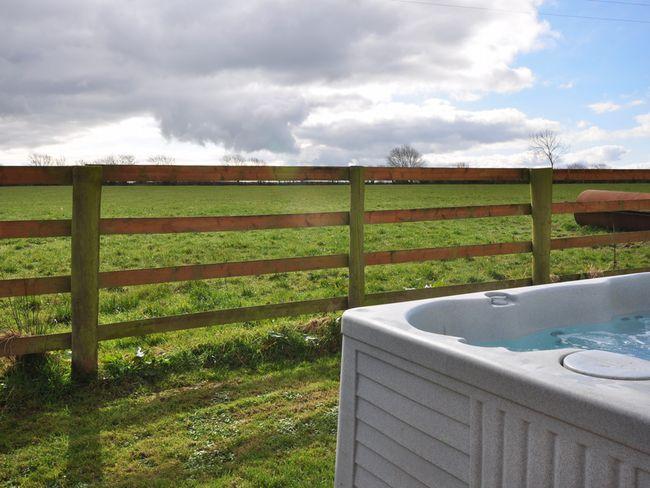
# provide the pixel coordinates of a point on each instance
(500, 299)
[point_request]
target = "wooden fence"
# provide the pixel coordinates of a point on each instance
(86, 226)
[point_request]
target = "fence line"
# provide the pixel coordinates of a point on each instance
(18, 287)
(446, 253)
(446, 213)
(53, 342)
(12, 229)
(17, 175)
(131, 277)
(85, 227)
(593, 207)
(600, 240)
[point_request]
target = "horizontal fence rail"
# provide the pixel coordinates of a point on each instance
(540, 245)
(16, 176)
(601, 175)
(220, 317)
(221, 224)
(18, 287)
(600, 240)
(129, 277)
(446, 253)
(445, 175)
(593, 207)
(12, 229)
(214, 174)
(185, 174)
(52, 342)
(446, 213)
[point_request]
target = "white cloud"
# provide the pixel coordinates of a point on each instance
(139, 136)
(485, 159)
(624, 147)
(333, 135)
(435, 126)
(597, 155)
(247, 76)
(593, 133)
(604, 107)
(642, 129)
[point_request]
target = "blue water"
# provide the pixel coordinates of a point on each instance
(626, 334)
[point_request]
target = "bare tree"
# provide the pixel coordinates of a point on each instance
(161, 159)
(113, 159)
(404, 157)
(37, 159)
(462, 165)
(548, 145)
(239, 160)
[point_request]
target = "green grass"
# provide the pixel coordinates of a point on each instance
(274, 426)
(233, 405)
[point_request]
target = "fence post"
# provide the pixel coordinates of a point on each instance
(86, 200)
(541, 199)
(356, 286)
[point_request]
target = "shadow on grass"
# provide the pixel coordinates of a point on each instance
(275, 447)
(84, 454)
(84, 416)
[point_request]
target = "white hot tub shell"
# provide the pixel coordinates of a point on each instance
(420, 407)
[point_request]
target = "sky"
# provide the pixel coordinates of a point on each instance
(325, 82)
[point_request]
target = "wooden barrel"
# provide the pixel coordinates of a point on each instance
(615, 221)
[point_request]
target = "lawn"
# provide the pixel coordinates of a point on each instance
(275, 426)
(250, 404)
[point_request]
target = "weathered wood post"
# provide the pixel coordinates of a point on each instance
(541, 199)
(86, 199)
(356, 287)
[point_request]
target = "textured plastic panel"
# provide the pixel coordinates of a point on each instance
(412, 427)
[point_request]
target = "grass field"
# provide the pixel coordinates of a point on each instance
(234, 405)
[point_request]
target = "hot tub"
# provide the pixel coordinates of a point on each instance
(435, 394)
